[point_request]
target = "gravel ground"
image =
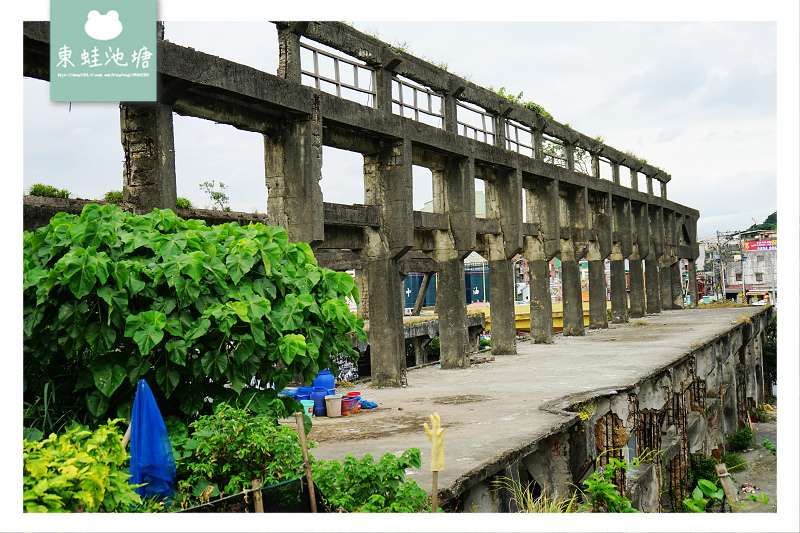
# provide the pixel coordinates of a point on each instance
(761, 471)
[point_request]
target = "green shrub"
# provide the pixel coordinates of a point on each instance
(113, 197)
(362, 486)
(433, 348)
(39, 189)
(732, 461)
(183, 203)
(741, 440)
(110, 297)
(229, 449)
(80, 468)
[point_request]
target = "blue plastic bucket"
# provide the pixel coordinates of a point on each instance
(325, 379)
(303, 393)
(318, 396)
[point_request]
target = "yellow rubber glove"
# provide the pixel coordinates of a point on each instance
(436, 436)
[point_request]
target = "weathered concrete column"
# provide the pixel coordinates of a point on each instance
(149, 147)
(621, 250)
(665, 279)
(619, 294)
(652, 285)
(600, 247)
(598, 314)
(542, 210)
(693, 296)
(677, 286)
(573, 303)
(454, 193)
(293, 169)
(572, 250)
(541, 302)
(503, 202)
(386, 339)
(637, 288)
(387, 184)
(454, 347)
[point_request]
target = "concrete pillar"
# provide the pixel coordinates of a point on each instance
(451, 302)
(148, 144)
(361, 277)
(454, 193)
(619, 294)
(693, 296)
(542, 202)
(573, 303)
(387, 184)
(504, 330)
(386, 339)
(677, 286)
(652, 286)
(634, 179)
(637, 288)
(541, 303)
(293, 161)
(665, 281)
(289, 51)
(598, 309)
(504, 203)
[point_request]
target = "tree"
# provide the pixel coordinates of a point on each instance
(770, 224)
(110, 297)
(219, 197)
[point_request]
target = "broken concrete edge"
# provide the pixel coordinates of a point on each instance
(492, 466)
(562, 407)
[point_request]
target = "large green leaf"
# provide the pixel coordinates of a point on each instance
(214, 363)
(146, 329)
(239, 265)
(291, 346)
(108, 376)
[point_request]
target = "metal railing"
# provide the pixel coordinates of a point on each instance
(417, 102)
(474, 122)
(344, 77)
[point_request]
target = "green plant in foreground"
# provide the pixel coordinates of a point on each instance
(110, 297)
(229, 449)
(362, 486)
(39, 189)
(741, 440)
(769, 446)
(77, 470)
(604, 496)
(704, 496)
(544, 503)
(733, 461)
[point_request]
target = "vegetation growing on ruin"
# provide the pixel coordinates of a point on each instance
(110, 297)
(40, 189)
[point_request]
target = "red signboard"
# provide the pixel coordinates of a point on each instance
(761, 245)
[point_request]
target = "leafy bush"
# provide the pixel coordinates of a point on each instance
(732, 461)
(110, 297)
(229, 449)
(80, 468)
(363, 486)
(113, 197)
(39, 189)
(741, 440)
(704, 496)
(183, 203)
(601, 494)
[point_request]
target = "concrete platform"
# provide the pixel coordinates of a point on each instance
(498, 410)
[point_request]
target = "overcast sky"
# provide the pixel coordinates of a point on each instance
(713, 102)
(698, 99)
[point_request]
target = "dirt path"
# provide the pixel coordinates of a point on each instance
(761, 471)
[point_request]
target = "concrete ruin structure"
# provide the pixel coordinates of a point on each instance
(414, 113)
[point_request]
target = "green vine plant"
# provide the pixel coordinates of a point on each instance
(224, 312)
(601, 494)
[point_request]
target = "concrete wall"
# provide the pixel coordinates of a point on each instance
(684, 409)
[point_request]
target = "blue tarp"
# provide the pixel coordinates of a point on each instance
(152, 461)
